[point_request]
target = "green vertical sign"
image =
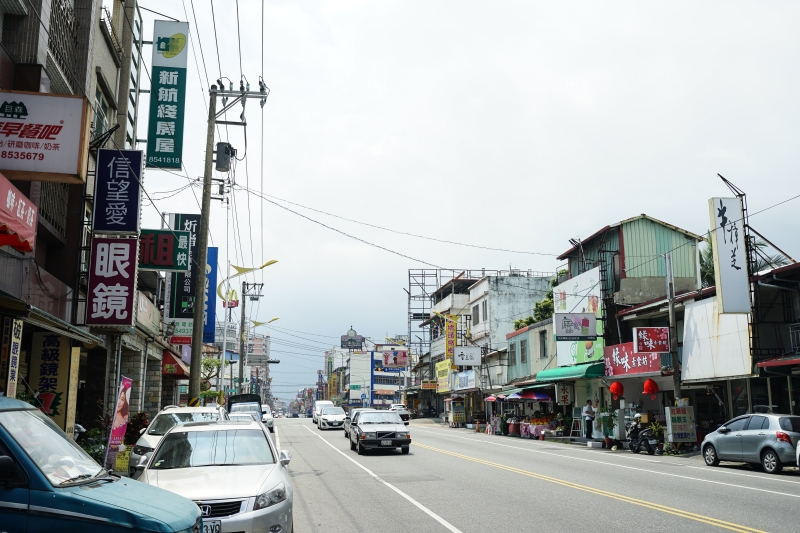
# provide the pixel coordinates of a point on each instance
(167, 95)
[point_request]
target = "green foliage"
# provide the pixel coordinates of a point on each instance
(96, 451)
(608, 421)
(543, 309)
(657, 429)
(764, 261)
(136, 422)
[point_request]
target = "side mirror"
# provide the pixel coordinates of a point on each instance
(723, 429)
(285, 457)
(6, 468)
(141, 431)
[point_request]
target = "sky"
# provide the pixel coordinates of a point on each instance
(514, 125)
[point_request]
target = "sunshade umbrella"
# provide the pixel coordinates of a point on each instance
(490, 399)
(535, 395)
(514, 396)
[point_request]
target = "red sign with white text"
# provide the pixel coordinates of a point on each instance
(650, 340)
(17, 218)
(621, 360)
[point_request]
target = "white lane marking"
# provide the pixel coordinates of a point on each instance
(277, 438)
(633, 468)
(445, 523)
(632, 457)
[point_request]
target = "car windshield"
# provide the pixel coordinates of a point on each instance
(58, 457)
(246, 408)
(388, 417)
(186, 449)
(333, 411)
(166, 421)
(790, 423)
(241, 416)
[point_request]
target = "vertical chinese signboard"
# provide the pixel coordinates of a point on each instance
(50, 375)
(10, 355)
(164, 250)
(442, 376)
(167, 95)
(117, 191)
(179, 303)
(730, 259)
(564, 393)
(680, 424)
(450, 338)
(112, 283)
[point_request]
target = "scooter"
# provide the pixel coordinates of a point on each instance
(642, 439)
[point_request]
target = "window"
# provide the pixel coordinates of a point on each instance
(757, 422)
(512, 353)
(790, 423)
(543, 344)
(100, 113)
(476, 315)
(386, 380)
(523, 351)
(485, 311)
(738, 424)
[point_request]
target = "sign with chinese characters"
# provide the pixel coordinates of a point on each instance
(395, 359)
(112, 283)
(10, 355)
(467, 356)
(49, 374)
(443, 376)
(680, 424)
(179, 304)
(580, 294)
(428, 384)
(730, 259)
(465, 380)
(564, 393)
(117, 191)
(167, 95)
(44, 137)
(621, 360)
(651, 340)
(450, 338)
(575, 326)
(164, 250)
(18, 216)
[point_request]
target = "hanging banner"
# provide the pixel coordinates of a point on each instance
(580, 294)
(117, 191)
(730, 259)
(164, 250)
(119, 422)
(621, 360)
(575, 326)
(651, 340)
(179, 304)
(210, 300)
(112, 283)
(18, 217)
(167, 94)
(10, 355)
(49, 373)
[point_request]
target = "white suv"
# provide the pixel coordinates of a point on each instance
(267, 417)
(318, 405)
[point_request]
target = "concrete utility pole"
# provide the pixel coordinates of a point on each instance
(673, 330)
(242, 339)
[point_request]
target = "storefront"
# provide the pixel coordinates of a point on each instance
(584, 382)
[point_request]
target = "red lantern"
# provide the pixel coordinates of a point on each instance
(651, 388)
(616, 389)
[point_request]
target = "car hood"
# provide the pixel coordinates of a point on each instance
(151, 441)
(212, 482)
(146, 508)
(383, 427)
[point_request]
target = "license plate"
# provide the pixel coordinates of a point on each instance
(212, 526)
(386, 443)
(653, 442)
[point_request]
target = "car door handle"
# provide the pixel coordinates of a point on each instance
(761, 434)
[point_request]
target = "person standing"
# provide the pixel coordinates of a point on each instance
(588, 417)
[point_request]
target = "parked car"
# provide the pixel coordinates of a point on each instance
(378, 430)
(767, 439)
(245, 403)
(244, 416)
(318, 409)
(267, 418)
(331, 418)
(348, 418)
(166, 419)
(401, 409)
(45, 478)
(295, 415)
(231, 470)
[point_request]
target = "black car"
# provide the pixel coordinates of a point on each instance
(378, 430)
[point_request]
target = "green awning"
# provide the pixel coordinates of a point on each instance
(563, 373)
(541, 386)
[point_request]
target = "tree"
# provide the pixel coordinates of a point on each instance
(764, 261)
(543, 309)
(211, 369)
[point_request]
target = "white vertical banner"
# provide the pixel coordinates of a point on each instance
(730, 259)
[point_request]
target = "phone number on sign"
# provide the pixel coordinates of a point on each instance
(8, 154)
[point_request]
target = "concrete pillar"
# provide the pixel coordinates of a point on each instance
(169, 392)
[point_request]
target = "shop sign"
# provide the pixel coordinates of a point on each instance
(450, 338)
(167, 95)
(119, 422)
(575, 326)
(443, 376)
(428, 384)
(650, 340)
(730, 260)
(164, 250)
(112, 282)
(580, 294)
(352, 341)
(43, 137)
(564, 393)
(680, 424)
(465, 380)
(148, 317)
(467, 356)
(18, 216)
(210, 297)
(621, 360)
(49, 372)
(10, 355)
(179, 290)
(395, 359)
(117, 191)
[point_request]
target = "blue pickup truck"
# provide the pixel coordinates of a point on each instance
(48, 483)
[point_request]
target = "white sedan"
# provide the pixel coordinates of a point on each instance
(331, 418)
(231, 470)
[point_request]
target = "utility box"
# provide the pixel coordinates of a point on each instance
(224, 152)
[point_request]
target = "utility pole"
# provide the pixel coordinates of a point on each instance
(201, 260)
(242, 339)
(673, 330)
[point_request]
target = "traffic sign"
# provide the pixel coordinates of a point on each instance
(363, 396)
(355, 387)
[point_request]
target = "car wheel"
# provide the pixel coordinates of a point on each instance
(770, 462)
(405, 450)
(352, 445)
(710, 456)
(361, 450)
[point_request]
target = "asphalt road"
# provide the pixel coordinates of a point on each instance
(459, 481)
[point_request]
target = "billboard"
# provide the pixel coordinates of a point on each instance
(651, 340)
(575, 326)
(164, 250)
(730, 259)
(467, 356)
(111, 291)
(443, 376)
(167, 95)
(179, 290)
(621, 360)
(465, 380)
(395, 359)
(580, 294)
(117, 191)
(44, 137)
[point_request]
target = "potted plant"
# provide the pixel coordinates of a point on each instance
(658, 433)
(608, 422)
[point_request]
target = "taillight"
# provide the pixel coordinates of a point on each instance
(783, 437)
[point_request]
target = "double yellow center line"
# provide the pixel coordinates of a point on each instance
(642, 503)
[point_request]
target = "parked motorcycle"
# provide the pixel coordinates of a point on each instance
(641, 439)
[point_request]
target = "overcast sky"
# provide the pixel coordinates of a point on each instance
(514, 125)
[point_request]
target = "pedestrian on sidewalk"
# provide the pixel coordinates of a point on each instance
(588, 416)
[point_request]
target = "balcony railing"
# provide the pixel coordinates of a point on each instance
(794, 337)
(63, 42)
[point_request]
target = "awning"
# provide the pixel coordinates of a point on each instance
(563, 373)
(454, 399)
(540, 386)
(18, 218)
(173, 366)
(785, 360)
(36, 317)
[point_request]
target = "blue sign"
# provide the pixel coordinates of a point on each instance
(117, 191)
(363, 396)
(210, 303)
